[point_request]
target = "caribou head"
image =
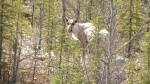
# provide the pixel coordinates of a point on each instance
(78, 30)
(70, 23)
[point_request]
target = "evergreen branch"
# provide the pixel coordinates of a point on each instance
(140, 30)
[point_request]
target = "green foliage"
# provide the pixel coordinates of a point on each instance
(3, 64)
(146, 60)
(59, 59)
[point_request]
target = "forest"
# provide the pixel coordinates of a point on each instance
(40, 44)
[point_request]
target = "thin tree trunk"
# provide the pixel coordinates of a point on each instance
(35, 45)
(62, 40)
(41, 24)
(130, 43)
(40, 39)
(148, 28)
(1, 36)
(110, 43)
(32, 22)
(15, 59)
(10, 62)
(50, 43)
(90, 10)
(130, 30)
(78, 8)
(63, 12)
(35, 62)
(148, 60)
(16, 43)
(19, 54)
(62, 37)
(50, 34)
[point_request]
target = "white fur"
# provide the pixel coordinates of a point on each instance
(87, 28)
(104, 33)
(74, 37)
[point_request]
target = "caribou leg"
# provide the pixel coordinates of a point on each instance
(83, 39)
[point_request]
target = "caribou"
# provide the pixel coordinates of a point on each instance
(82, 31)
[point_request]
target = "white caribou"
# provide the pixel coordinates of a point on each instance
(83, 31)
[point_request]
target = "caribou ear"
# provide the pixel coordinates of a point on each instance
(66, 19)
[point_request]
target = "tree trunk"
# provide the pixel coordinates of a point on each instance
(32, 22)
(50, 34)
(41, 24)
(35, 44)
(148, 28)
(1, 36)
(62, 39)
(19, 54)
(78, 8)
(110, 43)
(15, 48)
(41, 21)
(15, 44)
(35, 62)
(130, 30)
